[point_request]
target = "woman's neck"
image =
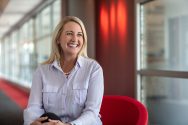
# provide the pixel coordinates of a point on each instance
(67, 64)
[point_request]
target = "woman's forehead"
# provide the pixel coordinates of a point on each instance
(72, 25)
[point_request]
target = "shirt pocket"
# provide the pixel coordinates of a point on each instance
(79, 94)
(50, 97)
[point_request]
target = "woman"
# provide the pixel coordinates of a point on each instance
(69, 84)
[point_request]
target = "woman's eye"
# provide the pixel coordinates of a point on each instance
(68, 34)
(80, 35)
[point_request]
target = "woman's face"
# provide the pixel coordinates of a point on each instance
(71, 39)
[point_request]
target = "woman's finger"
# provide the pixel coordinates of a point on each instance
(54, 121)
(41, 119)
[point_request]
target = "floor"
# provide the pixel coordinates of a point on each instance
(12, 102)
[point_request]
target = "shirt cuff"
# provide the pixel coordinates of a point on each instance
(72, 123)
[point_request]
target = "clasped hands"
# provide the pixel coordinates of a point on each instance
(51, 122)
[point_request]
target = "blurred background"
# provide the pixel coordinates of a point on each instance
(141, 45)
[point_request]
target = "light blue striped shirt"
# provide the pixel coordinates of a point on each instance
(76, 99)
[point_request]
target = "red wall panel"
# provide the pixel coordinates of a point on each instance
(115, 45)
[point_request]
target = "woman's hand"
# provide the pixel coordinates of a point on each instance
(55, 122)
(38, 121)
(51, 122)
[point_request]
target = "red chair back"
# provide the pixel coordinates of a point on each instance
(123, 110)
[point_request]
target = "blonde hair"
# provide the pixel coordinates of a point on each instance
(56, 49)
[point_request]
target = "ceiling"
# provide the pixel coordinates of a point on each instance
(12, 11)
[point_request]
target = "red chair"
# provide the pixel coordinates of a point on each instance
(123, 110)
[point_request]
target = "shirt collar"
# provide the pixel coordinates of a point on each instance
(56, 64)
(79, 63)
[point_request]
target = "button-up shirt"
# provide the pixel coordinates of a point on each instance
(75, 99)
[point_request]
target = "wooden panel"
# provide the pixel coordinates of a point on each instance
(3, 4)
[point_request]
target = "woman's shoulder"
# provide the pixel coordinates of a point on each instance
(43, 67)
(90, 61)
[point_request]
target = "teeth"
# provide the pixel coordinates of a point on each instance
(73, 45)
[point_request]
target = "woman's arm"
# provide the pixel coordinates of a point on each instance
(35, 107)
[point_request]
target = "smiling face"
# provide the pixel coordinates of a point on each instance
(71, 39)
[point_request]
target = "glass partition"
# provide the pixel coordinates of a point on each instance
(164, 35)
(43, 48)
(29, 44)
(1, 56)
(166, 100)
(46, 21)
(56, 13)
(162, 60)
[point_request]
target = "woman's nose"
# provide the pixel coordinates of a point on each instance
(74, 38)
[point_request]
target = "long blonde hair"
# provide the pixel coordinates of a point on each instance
(56, 49)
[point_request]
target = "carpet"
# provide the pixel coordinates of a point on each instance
(10, 112)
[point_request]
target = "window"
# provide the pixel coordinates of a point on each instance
(56, 12)
(162, 68)
(26, 52)
(46, 21)
(29, 44)
(43, 49)
(1, 58)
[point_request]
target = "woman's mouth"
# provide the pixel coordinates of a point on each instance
(73, 45)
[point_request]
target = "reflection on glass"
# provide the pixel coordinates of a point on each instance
(1, 56)
(2, 71)
(7, 67)
(46, 21)
(28, 45)
(166, 100)
(30, 30)
(11, 54)
(16, 54)
(43, 48)
(27, 62)
(38, 26)
(26, 52)
(56, 12)
(164, 35)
